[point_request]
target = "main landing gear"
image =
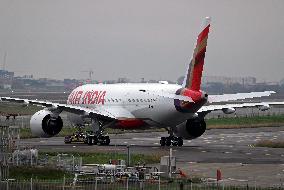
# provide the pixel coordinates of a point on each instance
(171, 140)
(97, 137)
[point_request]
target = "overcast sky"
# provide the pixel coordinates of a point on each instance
(147, 38)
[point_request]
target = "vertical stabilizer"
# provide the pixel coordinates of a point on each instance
(192, 79)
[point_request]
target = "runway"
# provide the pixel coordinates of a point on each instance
(215, 146)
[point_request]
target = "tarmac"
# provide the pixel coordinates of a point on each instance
(231, 150)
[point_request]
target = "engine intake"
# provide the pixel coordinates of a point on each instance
(228, 110)
(190, 129)
(43, 125)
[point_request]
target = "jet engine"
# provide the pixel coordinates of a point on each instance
(264, 107)
(228, 110)
(190, 129)
(44, 125)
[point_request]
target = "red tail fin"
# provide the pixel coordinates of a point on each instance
(193, 76)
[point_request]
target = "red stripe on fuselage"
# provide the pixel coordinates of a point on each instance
(130, 124)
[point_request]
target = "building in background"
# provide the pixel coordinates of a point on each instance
(245, 81)
(6, 79)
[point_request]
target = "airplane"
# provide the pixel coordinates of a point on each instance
(180, 109)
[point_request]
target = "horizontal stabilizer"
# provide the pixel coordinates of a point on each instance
(210, 108)
(238, 96)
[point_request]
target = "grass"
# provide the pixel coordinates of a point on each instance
(241, 122)
(270, 144)
(104, 157)
(15, 108)
(41, 173)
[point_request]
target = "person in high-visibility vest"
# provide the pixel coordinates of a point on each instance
(219, 175)
(181, 173)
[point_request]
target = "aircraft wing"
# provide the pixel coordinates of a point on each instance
(237, 96)
(261, 105)
(98, 112)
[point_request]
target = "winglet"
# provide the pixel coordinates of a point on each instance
(192, 79)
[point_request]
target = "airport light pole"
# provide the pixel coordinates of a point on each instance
(128, 155)
(170, 163)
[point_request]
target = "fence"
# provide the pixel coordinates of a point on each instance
(30, 157)
(67, 184)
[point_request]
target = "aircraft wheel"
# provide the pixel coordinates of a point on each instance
(175, 141)
(179, 141)
(104, 140)
(95, 140)
(168, 141)
(90, 141)
(163, 141)
(107, 140)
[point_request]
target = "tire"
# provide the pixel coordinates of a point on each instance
(67, 140)
(95, 140)
(101, 140)
(168, 141)
(90, 141)
(175, 141)
(180, 141)
(163, 141)
(107, 140)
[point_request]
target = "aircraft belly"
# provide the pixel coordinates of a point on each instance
(165, 114)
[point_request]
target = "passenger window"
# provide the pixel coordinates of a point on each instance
(129, 100)
(133, 100)
(137, 100)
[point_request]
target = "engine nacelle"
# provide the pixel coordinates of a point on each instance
(43, 125)
(190, 129)
(228, 110)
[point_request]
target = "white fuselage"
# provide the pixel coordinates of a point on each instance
(132, 101)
